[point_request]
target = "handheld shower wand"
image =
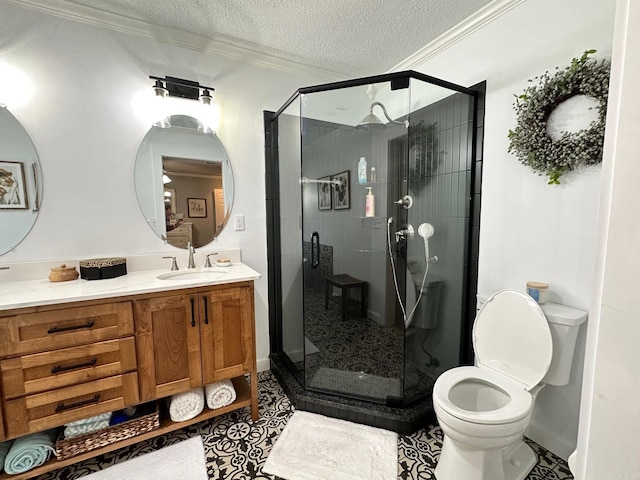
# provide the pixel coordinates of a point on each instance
(426, 231)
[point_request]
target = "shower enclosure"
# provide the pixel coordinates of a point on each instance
(369, 305)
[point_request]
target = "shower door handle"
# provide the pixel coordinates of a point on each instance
(315, 250)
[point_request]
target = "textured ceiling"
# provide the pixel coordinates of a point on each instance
(351, 37)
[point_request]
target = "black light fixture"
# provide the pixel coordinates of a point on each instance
(188, 90)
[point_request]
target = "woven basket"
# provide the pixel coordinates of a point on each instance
(67, 448)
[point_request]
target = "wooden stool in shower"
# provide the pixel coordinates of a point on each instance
(345, 282)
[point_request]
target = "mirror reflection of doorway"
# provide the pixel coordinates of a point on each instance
(218, 210)
(191, 178)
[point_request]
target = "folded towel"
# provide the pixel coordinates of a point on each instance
(4, 449)
(71, 431)
(184, 406)
(94, 419)
(29, 452)
(219, 394)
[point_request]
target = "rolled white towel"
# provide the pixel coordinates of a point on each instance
(219, 394)
(184, 406)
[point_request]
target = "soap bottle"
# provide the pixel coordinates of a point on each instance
(370, 206)
(362, 170)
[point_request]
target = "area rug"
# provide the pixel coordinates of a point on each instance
(315, 447)
(356, 383)
(181, 460)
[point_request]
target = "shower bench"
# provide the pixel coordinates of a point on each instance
(345, 282)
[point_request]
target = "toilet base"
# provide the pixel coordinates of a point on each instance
(520, 463)
(460, 463)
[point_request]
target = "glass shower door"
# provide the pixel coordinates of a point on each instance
(353, 341)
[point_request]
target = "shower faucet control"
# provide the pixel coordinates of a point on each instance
(406, 202)
(405, 232)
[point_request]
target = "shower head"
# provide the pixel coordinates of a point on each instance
(426, 230)
(372, 122)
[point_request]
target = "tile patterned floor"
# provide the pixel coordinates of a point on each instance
(236, 448)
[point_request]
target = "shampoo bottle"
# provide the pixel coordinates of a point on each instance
(370, 206)
(362, 170)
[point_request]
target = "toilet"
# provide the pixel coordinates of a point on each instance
(483, 410)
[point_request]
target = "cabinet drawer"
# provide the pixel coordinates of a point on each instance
(51, 409)
(68, 327)
(40, 372)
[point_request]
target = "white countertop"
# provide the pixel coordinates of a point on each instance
(31, 293)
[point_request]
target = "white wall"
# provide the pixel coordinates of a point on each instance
(83, 124)
(531, 230)
(609, 435)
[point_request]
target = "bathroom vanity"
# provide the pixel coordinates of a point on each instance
(77, 349)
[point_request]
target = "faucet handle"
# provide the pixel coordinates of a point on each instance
(207, 263)
(174, 264)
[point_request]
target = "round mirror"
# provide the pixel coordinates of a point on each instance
(184, 182)
(20, 182)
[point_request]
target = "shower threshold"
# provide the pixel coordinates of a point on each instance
(404, 420)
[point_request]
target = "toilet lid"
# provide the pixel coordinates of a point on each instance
(511, 336)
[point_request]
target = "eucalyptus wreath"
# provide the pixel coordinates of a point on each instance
(529, 140)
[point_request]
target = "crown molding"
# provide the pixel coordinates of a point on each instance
(70, 10)
(479, 19)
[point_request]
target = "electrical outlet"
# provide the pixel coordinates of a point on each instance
(362, 223)
(378, 223)
(238, 222)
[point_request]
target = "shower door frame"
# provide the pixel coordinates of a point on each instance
(273, 207)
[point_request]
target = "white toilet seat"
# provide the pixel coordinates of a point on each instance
(519, 404)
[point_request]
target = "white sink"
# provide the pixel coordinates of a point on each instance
(194, 275)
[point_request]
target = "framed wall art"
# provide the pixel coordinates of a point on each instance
(325, 193)
(197, 207)
(13, 189)
(342, 190)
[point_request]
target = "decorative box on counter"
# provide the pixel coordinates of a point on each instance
(102, 268)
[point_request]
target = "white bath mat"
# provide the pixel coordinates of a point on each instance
(315, 447)
(182, 460)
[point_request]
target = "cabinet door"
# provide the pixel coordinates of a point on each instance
(168, 345)
(228, 345)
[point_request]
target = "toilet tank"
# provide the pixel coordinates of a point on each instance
(564, 323)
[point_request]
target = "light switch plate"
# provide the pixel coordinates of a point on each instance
(238, 222)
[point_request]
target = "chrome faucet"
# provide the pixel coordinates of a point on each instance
(207, 264)
(192, 263)
(174, 264)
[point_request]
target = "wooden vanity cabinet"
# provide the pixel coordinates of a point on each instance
(65, 362)
(193, 339)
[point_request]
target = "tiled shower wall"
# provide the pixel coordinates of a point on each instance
(441, 194)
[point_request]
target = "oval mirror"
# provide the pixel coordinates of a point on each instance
(184, 182)
(20, 182)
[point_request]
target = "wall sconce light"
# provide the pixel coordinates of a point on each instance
(170, 93)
